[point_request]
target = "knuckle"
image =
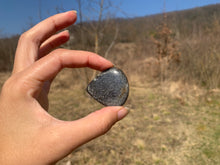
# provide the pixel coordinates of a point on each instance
(29, 36)
(105, 122)
(7, 87)
(8, 83)
(23, 37)
(105, 127)
(13, 86)
(57, 51)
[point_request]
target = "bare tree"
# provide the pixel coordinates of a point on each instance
(40, 10)
(99, 19)
(101, 10)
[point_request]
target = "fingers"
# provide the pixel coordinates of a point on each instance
(75, 133)
(53, 42)
(51, 25)
(46, 68)
(30, 41)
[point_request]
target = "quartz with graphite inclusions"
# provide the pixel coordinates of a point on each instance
(110, 87)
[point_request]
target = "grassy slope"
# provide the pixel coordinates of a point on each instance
(168, 124)
(172, 123)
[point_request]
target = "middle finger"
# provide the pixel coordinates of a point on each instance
(30, 41)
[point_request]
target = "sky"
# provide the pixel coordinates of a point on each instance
(18, 15)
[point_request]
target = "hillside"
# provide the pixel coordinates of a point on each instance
(195, 34)
(184, 23)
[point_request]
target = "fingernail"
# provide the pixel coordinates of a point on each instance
(75, 11)
(122, 113)
(66, 31)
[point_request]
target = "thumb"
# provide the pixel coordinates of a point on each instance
(75, 133)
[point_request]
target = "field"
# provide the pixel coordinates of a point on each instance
(173, 123)
(170, 123)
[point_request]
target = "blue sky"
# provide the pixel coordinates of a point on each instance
(17, 15)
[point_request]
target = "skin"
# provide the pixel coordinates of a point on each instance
(29, 135)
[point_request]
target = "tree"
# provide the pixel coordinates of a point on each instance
(97, 27)
(167, 51)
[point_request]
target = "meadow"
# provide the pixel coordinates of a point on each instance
(170, 123)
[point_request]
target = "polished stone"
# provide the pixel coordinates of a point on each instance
(110, 87)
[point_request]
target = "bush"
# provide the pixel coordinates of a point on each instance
(7, 51)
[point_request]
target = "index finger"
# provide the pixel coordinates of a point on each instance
(48, 67)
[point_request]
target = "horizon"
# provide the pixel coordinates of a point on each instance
(25, 16)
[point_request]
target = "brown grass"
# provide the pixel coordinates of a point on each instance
(174, 123)
(166, 125)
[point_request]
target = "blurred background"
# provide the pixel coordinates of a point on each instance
(170, 52)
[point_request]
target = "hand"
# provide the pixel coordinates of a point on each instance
(29, 135)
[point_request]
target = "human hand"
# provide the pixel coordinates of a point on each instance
(29, 135)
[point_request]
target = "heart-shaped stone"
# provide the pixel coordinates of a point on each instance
(110, 87)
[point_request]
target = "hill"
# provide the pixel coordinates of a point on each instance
(195, 34)
(184, 23)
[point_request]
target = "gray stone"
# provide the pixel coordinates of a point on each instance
(110, 87)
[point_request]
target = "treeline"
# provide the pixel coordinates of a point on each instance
(7, 51)
(195, 22)
(195, 33)
(183, 23)
(191, 37)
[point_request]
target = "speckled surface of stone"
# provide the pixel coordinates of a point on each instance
(110, 87)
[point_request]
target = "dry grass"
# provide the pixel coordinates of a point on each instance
(171, 124)
(174, 123)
